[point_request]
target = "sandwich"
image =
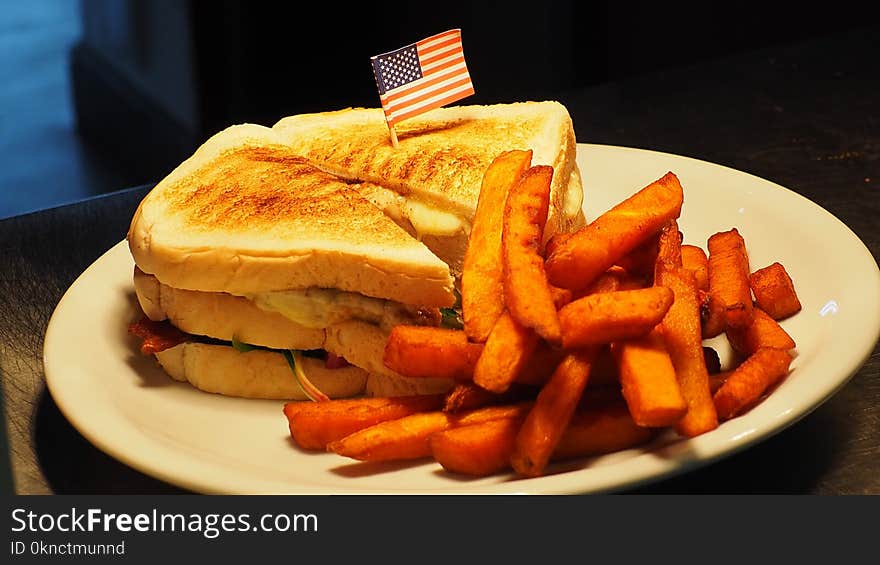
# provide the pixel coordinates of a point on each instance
(278, 259)
(430, 183)
(256, 259)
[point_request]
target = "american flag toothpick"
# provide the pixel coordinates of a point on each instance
(419, 77)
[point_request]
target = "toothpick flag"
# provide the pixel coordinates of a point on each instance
(419, 77)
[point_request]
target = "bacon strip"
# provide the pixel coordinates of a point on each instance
(157, 336)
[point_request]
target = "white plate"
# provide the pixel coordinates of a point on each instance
(127, 407)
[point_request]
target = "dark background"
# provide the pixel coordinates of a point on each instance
(99, 95)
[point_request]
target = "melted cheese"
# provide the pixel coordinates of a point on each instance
(574, 193)
(428, 220)
(322, 307)
(424, 218)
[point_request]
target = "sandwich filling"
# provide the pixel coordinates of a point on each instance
(312, 323)
(417, 217)
(322, 307)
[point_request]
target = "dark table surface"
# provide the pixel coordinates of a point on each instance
(806, 116)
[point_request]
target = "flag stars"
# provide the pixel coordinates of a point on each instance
(399, 68)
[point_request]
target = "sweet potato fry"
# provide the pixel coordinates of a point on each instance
(561, 296)
(718, 379)
(548, 418)
(466, 396)
(526, 290)
(484, 449)
(407, 437)
(614, 279)
(640, 261)
(613, 316)
(729, 277)
(506, 352)
(421, 351)
(469, 396)
(764, 331)
(589, 252)
(540, 365)
(648, 381)
(554, 242)
(694, 259)
(750, 380)
(313, 426)
(603, 430)
(774, 291)
(609, 281)
(712, 320)
(681, 331)
(477, 450)
(482, 285)
(669, 245)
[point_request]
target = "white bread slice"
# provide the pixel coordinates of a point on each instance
(245, 215)
(443, 153)
(255, 374)
(264, 374)
(222, 316)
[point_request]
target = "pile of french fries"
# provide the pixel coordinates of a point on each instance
(587, 345)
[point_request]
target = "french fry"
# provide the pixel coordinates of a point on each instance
(466, 396)
(613, 316)
(589, 252)
(560, 296)
(548, 418)
(506, 352)
(478, 450)
(469, 396)
(694, 259)
(526, 290)
(484, 449)
(554, 242)
(712, 320)
(604, 430)
(482, 285)
(669, 245)
(614, 279)
(430, 352)
(774, 291)
(313, 425)
(681, 331)
(540, 365)
(718, 379)
(648, 381)
(764, 331)
(408, 437)
(609, 281)
(640, 261)
(748, 382)
(729, 277)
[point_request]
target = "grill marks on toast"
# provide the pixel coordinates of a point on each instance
(449, 156)
(257, 187)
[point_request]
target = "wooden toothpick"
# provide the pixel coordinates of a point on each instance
(393, 135)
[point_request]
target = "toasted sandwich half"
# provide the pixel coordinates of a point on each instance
(249, 251)
(430, 183)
